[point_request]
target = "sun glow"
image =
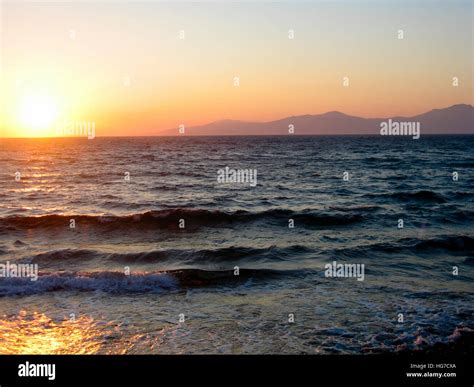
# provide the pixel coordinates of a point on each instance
(37, 113)
(33, 334)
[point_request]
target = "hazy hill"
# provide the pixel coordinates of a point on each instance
(453, 119)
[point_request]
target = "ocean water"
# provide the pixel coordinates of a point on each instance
(83, 302)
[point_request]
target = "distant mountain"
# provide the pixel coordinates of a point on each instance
(454, 119)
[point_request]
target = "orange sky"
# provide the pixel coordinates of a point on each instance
(124, 67)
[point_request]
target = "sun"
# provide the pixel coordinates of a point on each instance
(38, 112)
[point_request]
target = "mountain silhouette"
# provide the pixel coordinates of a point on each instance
(456, 119)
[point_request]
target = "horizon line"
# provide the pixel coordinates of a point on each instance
(232, 135)
(167, 132)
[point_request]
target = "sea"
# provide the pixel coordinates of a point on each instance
(138, 248)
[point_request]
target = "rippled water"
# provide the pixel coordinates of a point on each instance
(121, 225)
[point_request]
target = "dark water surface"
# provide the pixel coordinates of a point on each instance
(133, 224)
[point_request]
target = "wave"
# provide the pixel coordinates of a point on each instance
(119, 283)
(189, 256)
(64, 255)
(462, 194)
(111, 282)
(451, 243)
(458, 216)
(373, 159)
(169, 218)
(362, 208)
(469, 261)
(233, 253)
(447, 243)
(464, 164)
(418, 196)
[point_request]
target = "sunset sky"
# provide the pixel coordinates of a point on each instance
(123, 65)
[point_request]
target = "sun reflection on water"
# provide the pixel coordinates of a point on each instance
(39, 334)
